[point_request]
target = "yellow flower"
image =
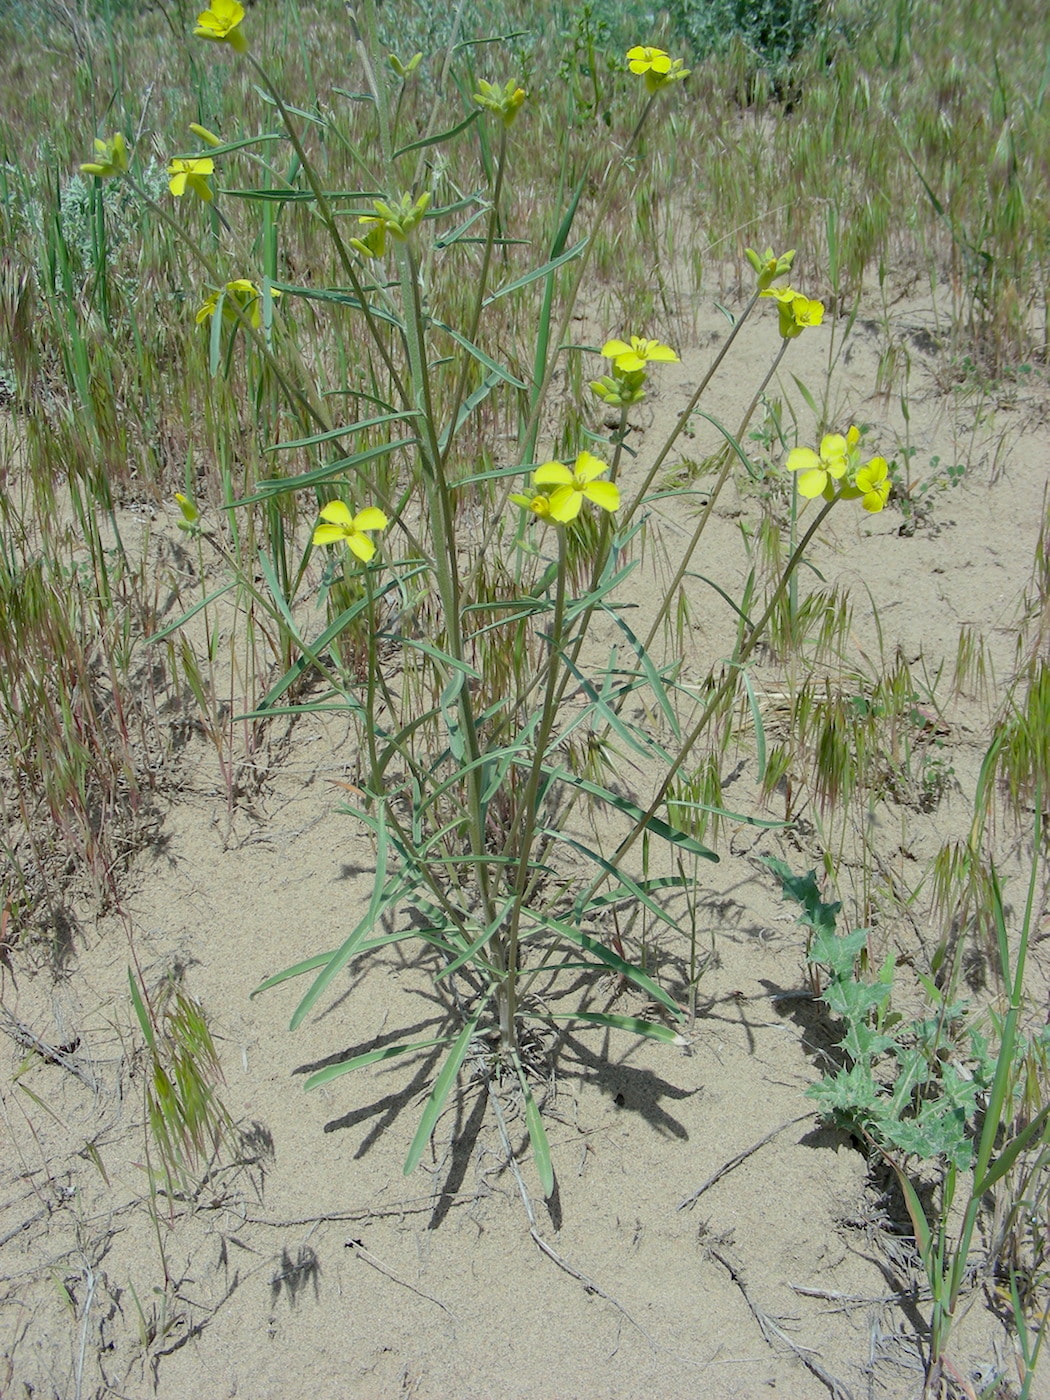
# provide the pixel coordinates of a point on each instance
(504, 101)
(191, 173)
(657, 67)
(571, 486)
(796, 310)
(817, 471)
(111, 158)
(873, 483)
(239, 293)
(635, 356)
(350, 529)
(220, 21)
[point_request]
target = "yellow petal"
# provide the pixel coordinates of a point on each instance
(565, 504)
(588, 466)
(552, 474)
(338, 513)
(603, 493)
(613, 348)
(803, 459)
(371, 518)
(812, 483)
(361, 545)
(328, 534)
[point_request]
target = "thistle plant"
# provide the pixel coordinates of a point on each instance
(485, 590)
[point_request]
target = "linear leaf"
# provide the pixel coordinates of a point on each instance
(370, 1057)
(610, 869)
(548, 267)
(382, 899)
(191, 612)
(356, 427)
(277, 486)
(631, 809)
(442, 1085)
(480, 355)
(606, 955)
(634, 1025)
(541, 1148)
(441, 136)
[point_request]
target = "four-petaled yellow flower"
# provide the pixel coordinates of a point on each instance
(191, 173)
(657, 67)
(504, 101)
(873, 483)
(635, 356)
(572, 485)
(341, 526)
(239, 294)
(796, 310)
(817, 471)
(111, 158)
(220, 21)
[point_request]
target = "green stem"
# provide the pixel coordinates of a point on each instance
(507, 995)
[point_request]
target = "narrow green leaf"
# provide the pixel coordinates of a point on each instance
(548, 267)
(1010, 1153)
(631, 809)
(469, 954)
(190, 612)
(634, 1025)
(140, 1011)
(356, 427)
(611, 869)
(441, 136)
(541, 1148)
(480, 355)
(440, 1092)
(382, 900)
(760, 729)
(652, 675)
(278, 486)
(610, 959)
(370, 1057)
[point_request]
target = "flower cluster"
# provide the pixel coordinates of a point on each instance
(626, 384)
(504, 101)
(111, 158)
(655, 66)
(797, 311)
(572, 485)
(238, 296)
(397, 220)
(768, 266)
(343, 527)
(838, 460)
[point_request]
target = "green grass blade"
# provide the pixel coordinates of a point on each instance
(530, 277)
(631, 809)
(481, 356)
(370, 1057)
(541, 1148)
(441, 135)
(610, 869)
(440, 1092)
(633, 1025)
(277, 486)
(606, 955)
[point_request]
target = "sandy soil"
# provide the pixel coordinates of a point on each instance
(312, 1267)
